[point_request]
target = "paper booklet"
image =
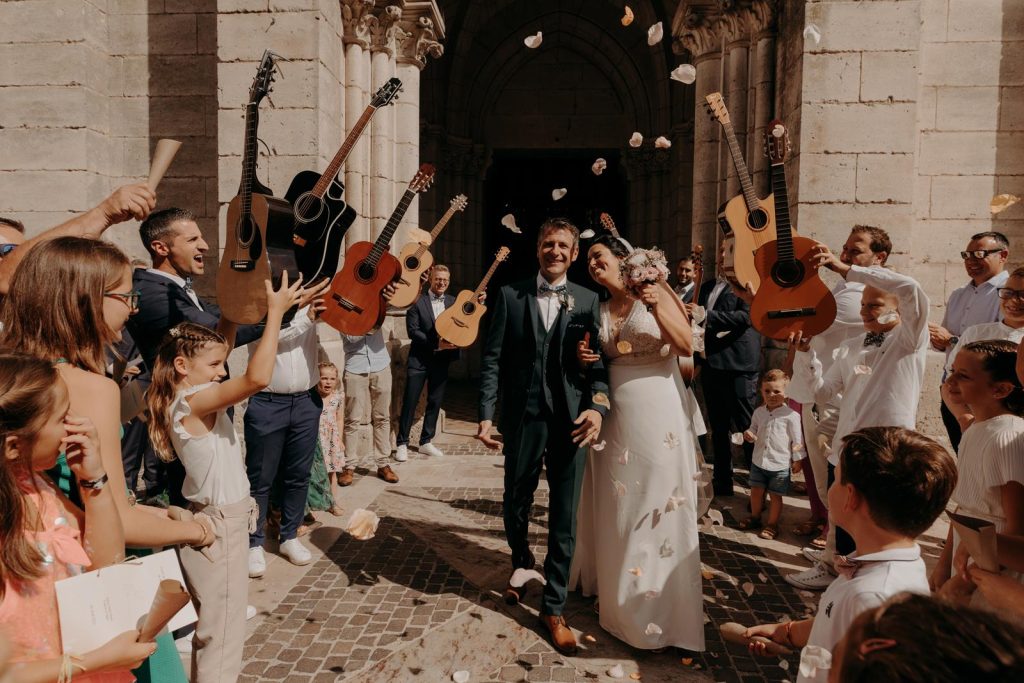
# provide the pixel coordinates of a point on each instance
(136, 594)
(979, 535)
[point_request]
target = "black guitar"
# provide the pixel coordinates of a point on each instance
(321, 214)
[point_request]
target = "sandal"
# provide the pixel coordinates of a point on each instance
(808, 528)
(820, 542)
(749, 523)
(769, 532)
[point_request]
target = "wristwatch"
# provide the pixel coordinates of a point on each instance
(94, 484)
(953, 341)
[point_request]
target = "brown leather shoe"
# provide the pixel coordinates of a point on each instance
(561, 636)
(387, 474)
(345, 478)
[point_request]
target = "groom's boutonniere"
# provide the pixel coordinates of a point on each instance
(567, 301)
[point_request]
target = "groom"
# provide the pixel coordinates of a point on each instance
(551, 409)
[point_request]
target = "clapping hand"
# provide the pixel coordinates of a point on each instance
(584, 353)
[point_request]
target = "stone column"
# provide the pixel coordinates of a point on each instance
(736, 90)
(760, 19)
(355, 16)
(383, 32)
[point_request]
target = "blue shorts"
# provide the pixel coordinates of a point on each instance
(775, 482)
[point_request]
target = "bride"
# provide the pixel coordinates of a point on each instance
(637, 546)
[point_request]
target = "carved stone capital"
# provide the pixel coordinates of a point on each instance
(697, 31)
(418, 41)
(760, 18)
(355, 17)
(384, 29)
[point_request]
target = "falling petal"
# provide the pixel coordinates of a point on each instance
(861, 370)
(655, 518)
(598, 166)
(461, 677)
(653, 630)
(362, 525)
(641, 522)
(620, 488)
(624, 457)
(778, 131)
(627, 18)
(685, 73)
(737, 438)
(637, 571)
(890, 317)
(598, 446)
(719, 594)
(784, 665)
(624, 347)
(587, 234)
(761, 576)
(1001, 202)
(558, 193)
(651, 595)
(535, 40)
(662, 142)
(674, 502)
(635, 676)
(748, 588)
(716, 517)
(812, 32)
(687, 661)
(616, 671)
(522, 576)
(812, 658)
(723, 333)
(666, 549)
(671, 440)
(509, 221)
(655, 34)
(706, 572)
(707, 619)
(636, 139)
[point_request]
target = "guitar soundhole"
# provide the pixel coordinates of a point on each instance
(308, 208)
(468, 308)
(412, 263)
(788, 273)
(366, 272)
(758, 219)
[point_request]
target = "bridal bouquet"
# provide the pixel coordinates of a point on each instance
(643, 267)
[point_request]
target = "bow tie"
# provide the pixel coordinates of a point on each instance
(846, 567)
(874, 338)
(556, 289)
(188, 284)
(439, 299)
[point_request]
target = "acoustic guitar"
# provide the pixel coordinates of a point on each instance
(322, 216)
(792, 296)
(416, 258)
(355, 303)
(751, 220)
(686, 365)
(251, 214)
(459, 324)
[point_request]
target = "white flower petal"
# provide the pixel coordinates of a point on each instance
(509, 221)
(587, 234)
(813, 33)
(627, 18)
(624, 457)
(651, 595)
(653, 630)
(666, 549)
(748, 588)
(813, 658)
(654, 34)
(558, 193)
(362, 525)
(535, 40)
(715, 516)
(737, 438)
(598, 166)
(685, 73)
(890, 317)
(784, 665)
(761, 576)
(637, 571)
(861, 370)
(522, 576)
(616, 671)
(620, 488)
(662, 142)
(719, 594)
(671, 440)
(1001, 202)
(598, 446)
(461, 677)
(636, 139)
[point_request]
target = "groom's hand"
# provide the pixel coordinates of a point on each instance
(589, 428)
(484, 435)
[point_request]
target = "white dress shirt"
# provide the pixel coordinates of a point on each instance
(549, 303)
(972, 305)
(436, 304)
(180, 281)
(847, 325)
(716, 292)
(295, 365)
(683, 291)
(880, 385)
(983, 332)
(779, 437)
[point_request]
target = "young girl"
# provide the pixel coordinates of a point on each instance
(991, 453)
(41, 536)
(330, 433)
(187, 405)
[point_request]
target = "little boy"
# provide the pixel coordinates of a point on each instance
(892, 483)
(775, 431)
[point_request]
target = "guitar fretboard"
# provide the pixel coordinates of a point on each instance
(487, 278)
(437, 229)
(331, 172)
(783, 229)
(252, 118)
(741, 168)
(381, 245)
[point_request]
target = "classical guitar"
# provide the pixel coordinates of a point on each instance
(686, 366)
(321, 214)
(355, 302)
(792, 297)
(416, 258)
(251, 214)
(751, 220)
(459, 324)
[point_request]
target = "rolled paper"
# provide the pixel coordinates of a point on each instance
(733, 632)
(171, 596)
(162, 158)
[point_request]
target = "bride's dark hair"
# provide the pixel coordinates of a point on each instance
(618, 250)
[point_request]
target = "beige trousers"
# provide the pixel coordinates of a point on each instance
(368, 399)
(218, 577)
(817, 453)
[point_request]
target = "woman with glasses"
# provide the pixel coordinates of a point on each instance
(68, 302)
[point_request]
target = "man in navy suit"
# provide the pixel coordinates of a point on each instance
(429, 357)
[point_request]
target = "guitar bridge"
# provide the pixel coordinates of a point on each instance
(346, 304)
(243, 265)
(791, 313)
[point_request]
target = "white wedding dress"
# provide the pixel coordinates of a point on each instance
(637, 546)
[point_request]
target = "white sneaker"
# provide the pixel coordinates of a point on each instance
(402, 453)
(431, 450)
(257, 563)
(250, 612)
(817, 578)
(295, 552)
(813, 555)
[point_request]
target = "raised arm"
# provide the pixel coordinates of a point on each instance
(913, 303)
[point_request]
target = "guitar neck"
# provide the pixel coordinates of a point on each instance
(252, 120)
(381, 245)
(437, 229)
(331, 172)
(783, 229)
(741, 168)
(487, 278)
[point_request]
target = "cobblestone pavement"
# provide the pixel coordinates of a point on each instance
(421, 600)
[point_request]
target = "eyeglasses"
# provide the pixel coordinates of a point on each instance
(6, 249)
(130, 299)
(1007, 293)
(979, 253)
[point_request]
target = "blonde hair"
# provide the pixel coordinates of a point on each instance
(184, 340)
(774, 376)
(327, 364)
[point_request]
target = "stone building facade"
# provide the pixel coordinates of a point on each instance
(906, 114)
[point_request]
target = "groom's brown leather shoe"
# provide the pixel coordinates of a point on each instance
(515, 594)
(561, 636)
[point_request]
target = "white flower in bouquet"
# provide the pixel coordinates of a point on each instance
(643, 267)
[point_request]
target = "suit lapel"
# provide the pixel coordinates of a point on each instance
(532, 309)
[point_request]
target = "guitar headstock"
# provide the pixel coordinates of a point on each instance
(502, 254)
(387, 93)
(697, 257)
(608, 224)
(421, 181)
(776, 142)
(716, 105)
(459, 202)
(261, 85)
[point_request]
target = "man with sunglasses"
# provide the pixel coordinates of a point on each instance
(975, 303)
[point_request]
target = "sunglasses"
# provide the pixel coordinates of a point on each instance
(979, 253)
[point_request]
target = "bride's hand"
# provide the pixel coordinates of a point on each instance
(584, 353)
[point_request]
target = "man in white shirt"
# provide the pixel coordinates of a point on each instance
(972, 304)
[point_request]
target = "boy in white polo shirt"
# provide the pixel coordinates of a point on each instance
(891, 485)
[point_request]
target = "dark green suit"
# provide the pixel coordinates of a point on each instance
(544, 389)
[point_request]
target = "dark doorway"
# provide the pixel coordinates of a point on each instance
(520, 182)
